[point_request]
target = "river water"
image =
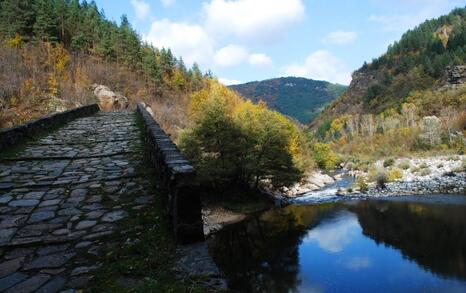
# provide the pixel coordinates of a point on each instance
(402, 244)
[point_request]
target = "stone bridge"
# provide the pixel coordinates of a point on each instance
(64, 193)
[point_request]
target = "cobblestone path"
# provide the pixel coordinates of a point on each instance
(62, 198)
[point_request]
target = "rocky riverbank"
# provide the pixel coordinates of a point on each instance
(312, 181)
(450, 183)
(414, 176)
(403, 176)
(410, 176)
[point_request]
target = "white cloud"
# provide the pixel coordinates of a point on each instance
(227, 82)
(231, 55)
(141, 8)
(234, 55)
(358, 263)
(190, 41)
(239, 20)
(194, 44)
(260, 60)
(167, 3)
(341, 37)
(321, 65)
(252, 19)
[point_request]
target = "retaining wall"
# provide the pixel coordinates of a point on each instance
(12, 136)
(177, 175)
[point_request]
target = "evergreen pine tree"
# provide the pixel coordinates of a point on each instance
(16, 17)
(45, 27)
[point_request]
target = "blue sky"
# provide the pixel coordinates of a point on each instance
(246, 40)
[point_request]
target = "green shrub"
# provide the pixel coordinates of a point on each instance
(388, 162)
(415, 169)
(361, 184)
(363, 167)
(440, 165)
(350, 166)
(394, 174)
(405, 165)
(425, 172)
(423, 166)
(453, 158)
(381, 179)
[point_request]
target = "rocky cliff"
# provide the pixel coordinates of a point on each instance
(454, 76)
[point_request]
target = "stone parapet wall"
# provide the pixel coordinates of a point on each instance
(12, 136)
(178, 176)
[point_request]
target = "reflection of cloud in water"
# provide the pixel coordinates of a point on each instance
(357, 263)
(311, 288)
(334, 235)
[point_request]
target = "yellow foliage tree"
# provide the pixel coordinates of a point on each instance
(14, 42)
(232, 140)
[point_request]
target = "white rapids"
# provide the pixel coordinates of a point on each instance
(327, 194)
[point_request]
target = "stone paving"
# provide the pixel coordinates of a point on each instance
(62, 198)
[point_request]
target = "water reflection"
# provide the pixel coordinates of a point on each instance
(432, 235)
(366, 245)
(333, 236)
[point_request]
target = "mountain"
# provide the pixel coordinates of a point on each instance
(421, 68)
(297, 97)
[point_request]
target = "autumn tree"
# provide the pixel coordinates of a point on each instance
(449, 116)
(431, 130)
(234, 141)
(409, 112)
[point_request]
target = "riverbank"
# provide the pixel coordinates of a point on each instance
(387, 177)
(450, 183)
(235, 205)
(410, 176)
(414, 176)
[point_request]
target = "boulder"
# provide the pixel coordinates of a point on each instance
(318, 179)
(108, 99)
(148, 109)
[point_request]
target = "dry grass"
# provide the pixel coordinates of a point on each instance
(38, 79)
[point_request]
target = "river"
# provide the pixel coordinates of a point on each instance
(399, 244)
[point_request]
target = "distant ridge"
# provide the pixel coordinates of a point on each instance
(297, 97)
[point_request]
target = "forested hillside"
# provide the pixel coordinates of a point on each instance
(411, 98)
(300, 98)
(52, 51)
(415, 63)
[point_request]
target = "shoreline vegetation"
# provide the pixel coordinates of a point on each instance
(417, 176)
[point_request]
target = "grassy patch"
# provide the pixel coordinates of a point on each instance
(405, 165)
(425, 172)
